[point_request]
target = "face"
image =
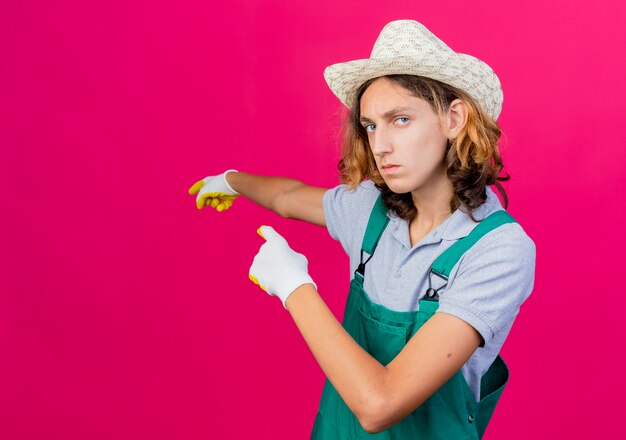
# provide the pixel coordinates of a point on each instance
(404, 136)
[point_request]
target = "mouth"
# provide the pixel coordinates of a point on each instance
(389, 167)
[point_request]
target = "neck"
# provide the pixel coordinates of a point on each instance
(433, 204)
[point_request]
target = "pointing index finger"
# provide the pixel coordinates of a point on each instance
(195, 188)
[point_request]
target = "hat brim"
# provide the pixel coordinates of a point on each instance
(459, 70)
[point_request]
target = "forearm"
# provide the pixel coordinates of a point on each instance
(262, 190)
(355, 374)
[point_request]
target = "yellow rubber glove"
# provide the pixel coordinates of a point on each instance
(278, 269)
(214, 191)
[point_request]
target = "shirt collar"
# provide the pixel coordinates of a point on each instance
(457, 226)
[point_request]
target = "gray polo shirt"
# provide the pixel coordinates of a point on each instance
(486, 287)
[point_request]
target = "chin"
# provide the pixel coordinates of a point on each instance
(403, 185)
(399, 188)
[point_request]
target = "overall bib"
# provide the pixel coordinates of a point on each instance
(451, 413)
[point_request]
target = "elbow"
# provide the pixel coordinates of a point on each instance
(375, 417)
(279, 207)
(370, 429)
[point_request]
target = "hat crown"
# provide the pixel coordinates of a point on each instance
(406, 38)
(407, 47)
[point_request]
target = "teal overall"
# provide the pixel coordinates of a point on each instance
(451, 412)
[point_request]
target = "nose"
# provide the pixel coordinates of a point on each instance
(380, 142)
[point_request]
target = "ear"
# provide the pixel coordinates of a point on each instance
(456, 117)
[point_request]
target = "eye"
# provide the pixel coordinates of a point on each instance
(405, 118)
(367, 129)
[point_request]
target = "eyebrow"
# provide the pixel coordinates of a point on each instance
(389, 113)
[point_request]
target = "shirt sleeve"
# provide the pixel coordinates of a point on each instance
(492, 280)
(347, 211)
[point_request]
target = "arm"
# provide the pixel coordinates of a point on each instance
(381, 396)
(477, 299)
(288, 198)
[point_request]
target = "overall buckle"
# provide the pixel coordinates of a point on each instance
(432, 294)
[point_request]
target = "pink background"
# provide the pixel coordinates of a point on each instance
(127, 313)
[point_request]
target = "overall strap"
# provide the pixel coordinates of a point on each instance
(447, 260)
(376, 224)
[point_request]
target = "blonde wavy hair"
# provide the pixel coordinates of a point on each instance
(472, 159)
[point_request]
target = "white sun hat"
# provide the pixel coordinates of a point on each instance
(407, 47)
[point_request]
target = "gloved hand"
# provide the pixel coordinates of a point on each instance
(277, 268)
(214, 191)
